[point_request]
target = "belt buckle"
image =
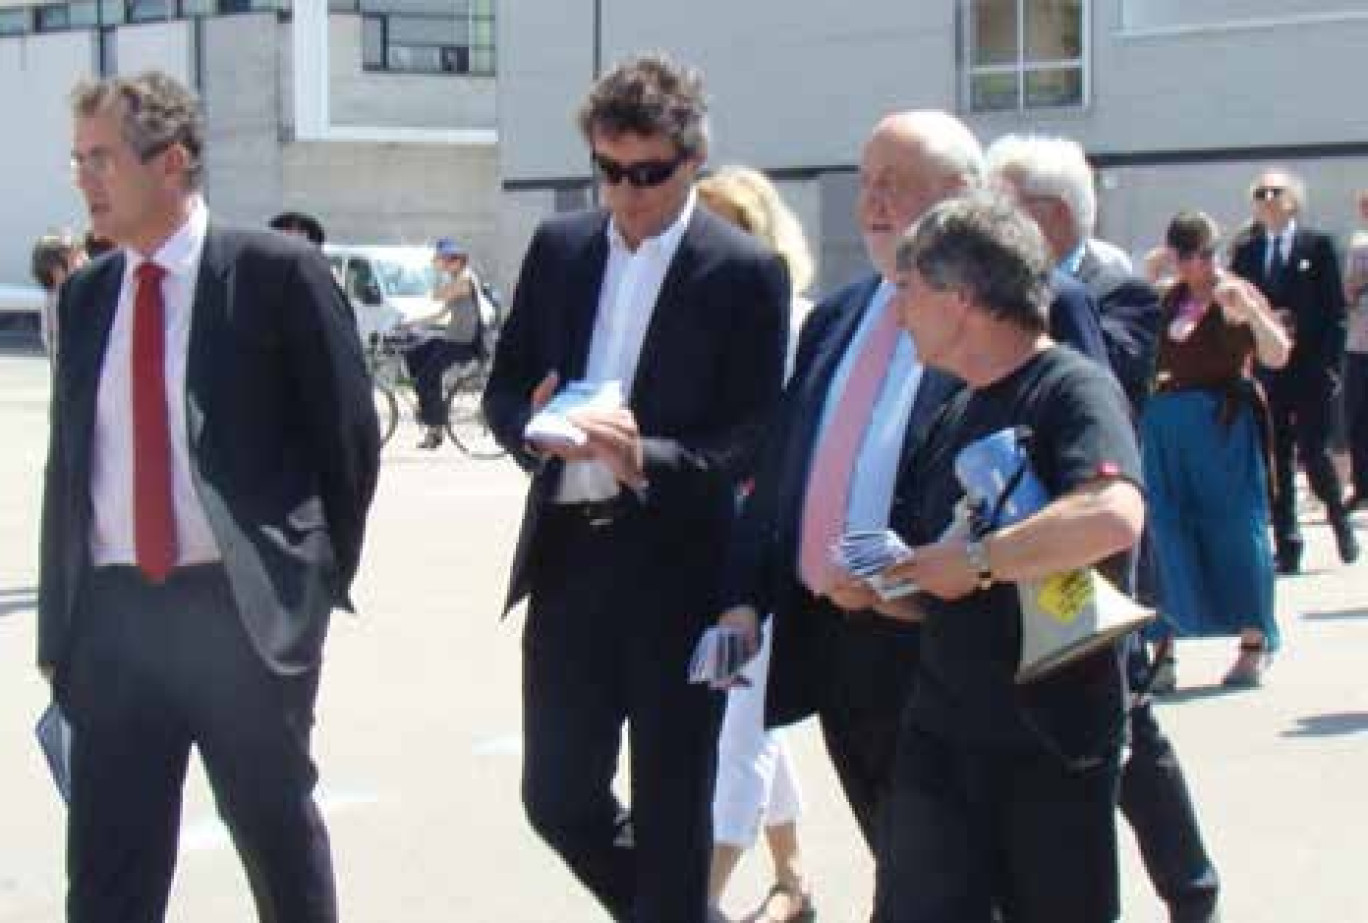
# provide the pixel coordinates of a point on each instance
(599, 515)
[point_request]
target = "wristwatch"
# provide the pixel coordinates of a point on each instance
(976, 550)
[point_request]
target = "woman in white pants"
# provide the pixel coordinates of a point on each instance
(756, 785)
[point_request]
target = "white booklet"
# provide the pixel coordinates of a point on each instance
(54, 736)
(552, 423)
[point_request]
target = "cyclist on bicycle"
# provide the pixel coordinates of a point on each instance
(452, 334)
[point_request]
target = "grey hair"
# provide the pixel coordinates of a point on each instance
(156, 111)
(985, 247)
(1295, 185)
(947, 143)
(1048, 166)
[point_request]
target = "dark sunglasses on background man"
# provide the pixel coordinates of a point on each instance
(643, 174)
(1267, 193)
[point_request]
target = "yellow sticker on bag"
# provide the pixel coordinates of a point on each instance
(1063, 597)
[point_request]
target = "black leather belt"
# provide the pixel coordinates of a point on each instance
(597, 514)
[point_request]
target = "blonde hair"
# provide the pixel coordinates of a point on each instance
(758, 209)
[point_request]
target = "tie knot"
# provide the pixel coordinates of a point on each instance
(150, 273)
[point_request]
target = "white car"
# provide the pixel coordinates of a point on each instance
(386, 284)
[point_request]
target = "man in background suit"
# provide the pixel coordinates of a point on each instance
(623, 537)
(1297, 271)
(213, 455)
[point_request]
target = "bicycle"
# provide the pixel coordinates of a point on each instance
(462, 387)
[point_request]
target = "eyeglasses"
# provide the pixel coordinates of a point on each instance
(644, 174)
(1268, 193)
(1201, 253)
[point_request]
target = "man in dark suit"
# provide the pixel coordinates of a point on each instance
(1051, 180)
(623, 536)
(213, 455)
(1297, 271)
(850, 669)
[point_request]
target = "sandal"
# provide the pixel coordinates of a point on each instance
(1249, 667)
(800, 904)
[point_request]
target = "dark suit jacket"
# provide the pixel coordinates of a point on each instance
(708, 377)
(283, 441)
(762, 566)
(1129, 310)
(1073, 318)
(1311, 288)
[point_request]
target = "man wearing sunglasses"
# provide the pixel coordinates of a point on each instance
(623, 534)
(1296, 269)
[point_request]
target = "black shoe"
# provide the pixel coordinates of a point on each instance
(1288, 565)
(433, 439)
(1345, 539)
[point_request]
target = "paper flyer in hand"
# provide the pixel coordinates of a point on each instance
(552, 423)
(867, 553)
(720, 655)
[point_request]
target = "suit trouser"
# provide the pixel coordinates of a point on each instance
(154, 670)
(869, 664)
(1156, 803)
(1356, 418)
(1301, 422)
(979, 834)
(610, 630)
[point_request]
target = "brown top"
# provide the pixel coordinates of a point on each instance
(1216, 354)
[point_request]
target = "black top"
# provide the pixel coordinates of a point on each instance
(965, 687)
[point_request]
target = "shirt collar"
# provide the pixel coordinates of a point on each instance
(667, 241)
(1286, 234)
(1074, 261)
(180, 253)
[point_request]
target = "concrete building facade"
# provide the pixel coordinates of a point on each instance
(378, 116)
(1178, 102)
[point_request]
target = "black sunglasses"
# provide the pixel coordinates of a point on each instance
(1205, 253)
(643, 174)
(1267, 193)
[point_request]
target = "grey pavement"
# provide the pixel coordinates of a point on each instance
(418, 731)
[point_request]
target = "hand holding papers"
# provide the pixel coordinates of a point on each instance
(552, 426)
(720, 655)
(54, 736)
(867, 553)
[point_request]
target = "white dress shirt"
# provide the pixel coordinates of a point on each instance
(627, 299)
(876, 465)
(111, 454)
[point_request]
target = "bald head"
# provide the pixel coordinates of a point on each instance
(912, 161)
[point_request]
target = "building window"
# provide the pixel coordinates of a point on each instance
(1025, 54)
(15, 21)
(149, 10)
(426, 36)
(53, 18)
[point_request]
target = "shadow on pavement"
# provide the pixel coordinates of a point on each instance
(15, 599)
(1197, 693)
(1335, 615)
(1330, 725)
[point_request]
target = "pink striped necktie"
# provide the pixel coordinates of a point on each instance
(828, 486)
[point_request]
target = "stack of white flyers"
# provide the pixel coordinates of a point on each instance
(867, 553)
(552, 423)
(720, 655)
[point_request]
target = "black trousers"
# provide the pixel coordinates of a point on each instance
(427, 363)
(866, 684)
(1302, 422)
(980, 834)
(611, 626)
(1155, 801)
(154, 670)
(1356, 418)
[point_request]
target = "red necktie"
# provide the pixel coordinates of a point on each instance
(828, 487)
(154, 523)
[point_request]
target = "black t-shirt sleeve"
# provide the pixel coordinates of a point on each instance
(1084, 431)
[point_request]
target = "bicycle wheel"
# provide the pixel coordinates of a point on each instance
(465, 421)
(386, 410)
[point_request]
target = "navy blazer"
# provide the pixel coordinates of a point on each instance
(1128, 307)
(1073, 318)
(283, 441)
(709, 375)
(762, 565)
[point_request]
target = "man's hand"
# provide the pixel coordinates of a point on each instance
(541, 396)
(614, 440)
(942, 569)
(851, 593)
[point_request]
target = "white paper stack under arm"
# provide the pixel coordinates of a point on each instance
(552, 423)
(867, 553)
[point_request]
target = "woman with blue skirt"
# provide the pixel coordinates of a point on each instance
(1205, 434)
